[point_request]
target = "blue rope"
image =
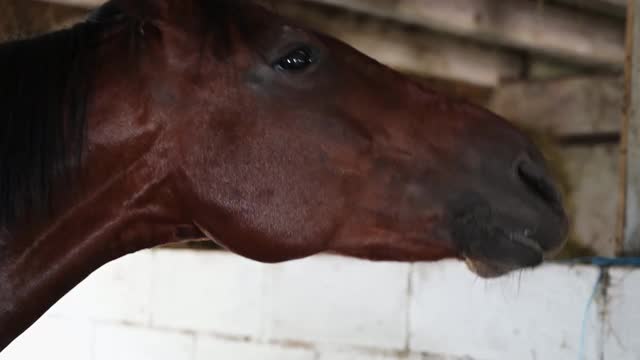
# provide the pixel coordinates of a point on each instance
(583, 335)
(604, 261)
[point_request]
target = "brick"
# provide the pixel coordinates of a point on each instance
(207, 291)
(217, 349)
(592, 171)
(352, 354)
(53, 338)
(365, 355)
(123, 342)
(338, 300)
(536, 316)
(445, 357)
(118, 292)
(621, 332)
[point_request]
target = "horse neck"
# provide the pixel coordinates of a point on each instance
(126, 204)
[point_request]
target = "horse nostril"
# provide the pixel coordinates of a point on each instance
(536, 179)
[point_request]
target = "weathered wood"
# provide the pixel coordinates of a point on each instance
(610, 7)
(78, 3)
(620, 3)
(565, 107)
(547, 29)
(551, 69)
(629, 228)
(479, 95)
(410, 50)
(551, 30)
(590, 3)
(591, 177)
(20, 18)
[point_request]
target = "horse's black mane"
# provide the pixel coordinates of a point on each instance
(45, 83)
(43, 93)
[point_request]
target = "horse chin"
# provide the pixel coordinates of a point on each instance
(492, 270)
(493, 243)
(524, 253)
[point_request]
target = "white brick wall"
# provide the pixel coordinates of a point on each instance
(136, 343)
(363, 355)
(186, 305)
(622, 328)
(54, 338)
(535, 315)
(118, 292)
(217, 349)
(330, 300)
(207, 292)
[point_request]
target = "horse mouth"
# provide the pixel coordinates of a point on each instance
(524, 252)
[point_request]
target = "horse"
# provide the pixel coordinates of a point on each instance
(161, 121)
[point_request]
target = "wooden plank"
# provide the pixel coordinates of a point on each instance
(589, 174)
(570, 107)
(547, 69)
(610, 7)
(87, 4)
(620, 3)
(479, 95)
(22, 18)
(413, 51)
(629, 228)
(550, 30)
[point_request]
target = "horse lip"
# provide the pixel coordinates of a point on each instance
(526, 241)
(493, 268)
(492, 249)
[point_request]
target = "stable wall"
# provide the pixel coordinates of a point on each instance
(194, 305)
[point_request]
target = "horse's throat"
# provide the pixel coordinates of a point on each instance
(39, 267)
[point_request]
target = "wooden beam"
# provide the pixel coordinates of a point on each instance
(19, 18)
(87, 4)
(570, 107)
(589, 174)
(629, 229)
(610, 7)
(550, 30)
(541, 68)
(621, 3)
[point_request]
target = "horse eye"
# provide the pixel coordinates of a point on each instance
(297, 60)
